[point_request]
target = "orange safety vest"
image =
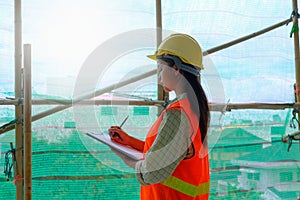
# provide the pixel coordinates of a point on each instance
(190, 180)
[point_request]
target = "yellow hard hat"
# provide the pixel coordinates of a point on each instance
(183, 46)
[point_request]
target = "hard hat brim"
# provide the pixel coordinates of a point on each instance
(153, 57)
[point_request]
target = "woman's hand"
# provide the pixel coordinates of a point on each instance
(118, 135)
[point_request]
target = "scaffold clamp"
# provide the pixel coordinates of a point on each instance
(295, 27)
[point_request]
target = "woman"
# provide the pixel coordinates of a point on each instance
(175, 165)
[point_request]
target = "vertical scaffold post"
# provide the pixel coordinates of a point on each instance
(27, 124)
(161, 94)
(296, 50)
(297, 55)
(18, 95)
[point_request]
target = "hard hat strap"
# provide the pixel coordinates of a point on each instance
(181, 65)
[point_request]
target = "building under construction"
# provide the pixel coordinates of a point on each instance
(68, 68)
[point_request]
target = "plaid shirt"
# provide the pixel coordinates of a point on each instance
(169, 148)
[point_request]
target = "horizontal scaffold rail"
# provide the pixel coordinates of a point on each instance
(213, 106)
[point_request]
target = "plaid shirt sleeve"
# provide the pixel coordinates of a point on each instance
(168, 149)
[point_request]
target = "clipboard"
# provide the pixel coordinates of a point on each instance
(105, 138)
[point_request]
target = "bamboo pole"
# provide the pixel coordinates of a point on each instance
(97, 93)
(296, 52)
(145, 75)
(27, 124)
(297, 55)
(247, 37)
(212, 50)
(158, 23)
(213, 106)
(9, 102)
(161, 94)
(100, 102)
(86, 96)
(18, 95)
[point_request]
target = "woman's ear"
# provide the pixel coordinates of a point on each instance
(175, 67)
(177, 70)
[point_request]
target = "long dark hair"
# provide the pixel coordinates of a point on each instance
(199, 104)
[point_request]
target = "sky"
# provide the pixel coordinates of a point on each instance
(64, 33)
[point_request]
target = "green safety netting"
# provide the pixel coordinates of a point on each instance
(247, 158)
(69, 165)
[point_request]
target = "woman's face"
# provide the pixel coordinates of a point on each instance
(166, 76)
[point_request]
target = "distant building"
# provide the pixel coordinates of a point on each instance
(272, 170)
(230, 144)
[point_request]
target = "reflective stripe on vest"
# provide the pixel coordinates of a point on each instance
(186, 188)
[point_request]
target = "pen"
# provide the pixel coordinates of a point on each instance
(116, 134)
(124, 121)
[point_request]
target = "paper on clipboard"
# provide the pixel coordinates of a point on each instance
(105, 138)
